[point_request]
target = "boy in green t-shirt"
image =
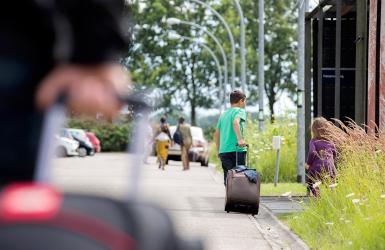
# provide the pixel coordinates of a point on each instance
(229, 133)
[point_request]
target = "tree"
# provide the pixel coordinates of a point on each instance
(181, 78)
(280, 46)
(157, 62)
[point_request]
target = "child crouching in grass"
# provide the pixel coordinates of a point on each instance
(320, 160)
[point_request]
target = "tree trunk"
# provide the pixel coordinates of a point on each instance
(271, 98)
(272, 114)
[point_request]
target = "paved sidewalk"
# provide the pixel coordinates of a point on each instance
(195, 199)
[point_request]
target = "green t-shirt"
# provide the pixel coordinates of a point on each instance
(227, 137)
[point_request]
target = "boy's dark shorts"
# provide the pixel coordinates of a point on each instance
(229, 161)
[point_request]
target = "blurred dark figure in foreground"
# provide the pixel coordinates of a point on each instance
(48, 47)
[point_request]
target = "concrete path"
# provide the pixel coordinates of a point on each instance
(195, 199)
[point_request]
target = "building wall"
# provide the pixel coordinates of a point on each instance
(376, 65)
(372, 62)
(382, 67)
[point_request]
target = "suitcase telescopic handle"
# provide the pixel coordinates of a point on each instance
(247, 154)
(55, 118)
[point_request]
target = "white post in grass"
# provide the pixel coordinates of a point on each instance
(277, 141)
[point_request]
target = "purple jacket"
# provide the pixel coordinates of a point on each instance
(321, 156)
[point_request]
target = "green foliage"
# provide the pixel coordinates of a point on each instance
(182, 71)
(209, 133)
(351, 214)
(114, 137)
(262, 156)
(214, 157)
(281, 50)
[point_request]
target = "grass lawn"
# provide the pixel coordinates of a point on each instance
(296, 189)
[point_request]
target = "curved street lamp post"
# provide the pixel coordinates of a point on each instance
(175, 36)
(242, 40)
(243, 44)
(172, 21)
(231, 38)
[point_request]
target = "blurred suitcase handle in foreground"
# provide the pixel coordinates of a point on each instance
(38, 216)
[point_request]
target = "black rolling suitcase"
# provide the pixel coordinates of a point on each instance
(243, 194)
(35, 216)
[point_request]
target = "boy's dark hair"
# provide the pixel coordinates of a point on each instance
(181, 120)
(162, 119)
(236, 96)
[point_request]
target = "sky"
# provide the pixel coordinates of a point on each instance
(313, 3)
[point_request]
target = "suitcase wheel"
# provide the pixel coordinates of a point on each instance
(255, 211)
(227, 208)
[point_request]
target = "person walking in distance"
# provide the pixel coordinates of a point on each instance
(185, 131)
(229, 134)
(162, 143)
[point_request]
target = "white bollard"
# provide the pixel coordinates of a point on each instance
(277, 142)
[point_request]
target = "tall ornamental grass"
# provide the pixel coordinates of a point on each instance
(349, 214)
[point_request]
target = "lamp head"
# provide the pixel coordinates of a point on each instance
(172, 35)
(172, 21)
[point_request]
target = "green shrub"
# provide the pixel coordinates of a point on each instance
(209, 133)
(262, 156)
(213, 157)
(350, 215)
(113, 137)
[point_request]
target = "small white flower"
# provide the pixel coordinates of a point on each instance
(333, 185)
(368, 218)
(349, 195)
(350, 243)
(383, 196)
(286, 194)
(347, 221)
(317, 184)
(341, 219)
(329, 223)
(295, 217)
(356, 201)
